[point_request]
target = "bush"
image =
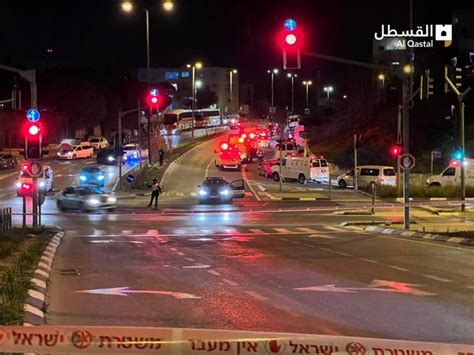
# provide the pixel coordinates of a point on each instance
(418, 190)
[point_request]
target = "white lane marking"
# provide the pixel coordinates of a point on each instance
(470, 286)
(257, 231)
(321, 236)
(193, 194)
(127, 232)
(173, 249)
(326, 249)
(435, 278)
(180, 194)
(207, 168)
(8, 175)
(256, 295)
(214, 272)
(180, 253)
(99, 232)
(282, 230)
(152, 232)
(232, 283)
(197, 266)
(369, 260)
(190, 259)
(246, 179)
(308, 230)
(397, 268)
(309, 245)
(342, 253)
(336, 229)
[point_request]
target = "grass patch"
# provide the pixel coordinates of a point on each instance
(463, 234)
(15, 276)
(155, 171)
(422, 191)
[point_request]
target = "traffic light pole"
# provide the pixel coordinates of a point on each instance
(406, 150)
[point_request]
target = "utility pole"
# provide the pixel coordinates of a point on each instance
(356, 185)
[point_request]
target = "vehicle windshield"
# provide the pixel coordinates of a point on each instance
(95, 140)
(389, 172)
(89, 190)
(92, 170)
(130, 148)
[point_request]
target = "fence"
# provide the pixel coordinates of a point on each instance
(5, 219)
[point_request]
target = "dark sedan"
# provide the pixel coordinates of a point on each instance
(219, 190)
(7, 161)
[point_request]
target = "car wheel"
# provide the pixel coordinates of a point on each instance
(302, 179)
(276, 176)
(74, 156)
(342, 184)
(60, 206)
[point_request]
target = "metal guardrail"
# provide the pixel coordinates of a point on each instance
(5, 219)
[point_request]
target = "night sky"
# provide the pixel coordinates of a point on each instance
(219, 32)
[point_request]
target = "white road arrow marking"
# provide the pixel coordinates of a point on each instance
(125, 291)
(108, 241)
(376, 285)
(197, 266)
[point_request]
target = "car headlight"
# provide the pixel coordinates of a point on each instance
(93, 201)
(224, 192)
(18, 185)
(82, 178)
(59, 153)
(42, 184)
(100, 177)
(70, 153)
(112, 199)
(110, 158)
(202, 192)
(173, 131)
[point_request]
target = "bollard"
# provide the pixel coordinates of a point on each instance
(10, 220)
(330, 186)
(374, 190)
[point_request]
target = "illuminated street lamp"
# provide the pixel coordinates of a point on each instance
(407, 69)
(292, 77)
(381, 77)
(198, 84)
(231, 84)
(272, 73)
(194, 83)
(168, 5)
(127, 6)
(307, 83)
(328, 90)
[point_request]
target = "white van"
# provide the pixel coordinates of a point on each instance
(366, 174)
(452, 175)
(287, 149)
(302, 169)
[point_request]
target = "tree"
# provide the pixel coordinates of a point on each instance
(206, 97)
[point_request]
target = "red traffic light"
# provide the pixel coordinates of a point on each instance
(290, 39)
(395, 150)
(25, 188)
(25, 167)
(33, 130)
(154, 100)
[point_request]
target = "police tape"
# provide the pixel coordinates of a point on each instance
(87, 340)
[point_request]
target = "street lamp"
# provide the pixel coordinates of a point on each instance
(127, 6)
(292, 77)
(231, 84)
(198, 84)
(328, 90)
(194, 84)
(381, 77)
(307, 83)
(272, 73)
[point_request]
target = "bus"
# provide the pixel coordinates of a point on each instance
(208, 117)
(175, 121)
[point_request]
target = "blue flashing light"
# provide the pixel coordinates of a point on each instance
(289, 24)
(154, 92)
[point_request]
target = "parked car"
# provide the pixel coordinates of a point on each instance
(98, 142)
(85, 198)
(265, 167)
(303, 169)
(366, 174)
(91, 175)
(67, 151)
(7, 161)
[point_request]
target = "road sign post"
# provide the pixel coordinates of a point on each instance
(406, 162)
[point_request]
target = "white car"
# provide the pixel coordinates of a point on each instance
(367, 174)
(45, 182)
(98, 142)
(451, 175)
(303, 169)
(67, 151)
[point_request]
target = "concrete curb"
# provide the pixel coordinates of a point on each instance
(35, 302)
(421, 235)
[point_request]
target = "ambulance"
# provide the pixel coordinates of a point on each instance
(227, 156)
(303, 169)
(242, 145)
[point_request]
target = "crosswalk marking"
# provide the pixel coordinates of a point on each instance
(127, 232)
(180, 194)
(309, 230)
(282, 230)
(99, 232)
(336, 229)
(257, 231)
(193, 194)
(152, 232)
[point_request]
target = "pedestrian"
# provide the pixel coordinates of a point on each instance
(161, 154)
(260, 155)
(155, 192)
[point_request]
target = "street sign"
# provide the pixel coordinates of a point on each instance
(36, 169)
(33, 115)
(436, 154)
(307, 111)
(406, 161)
(130, 179)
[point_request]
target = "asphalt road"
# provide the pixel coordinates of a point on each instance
(266, 269)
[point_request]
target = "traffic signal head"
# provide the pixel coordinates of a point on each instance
(25, 168)
(290, 40)
(457, 154)
(395, 150)
(33, 141)
(158, 100)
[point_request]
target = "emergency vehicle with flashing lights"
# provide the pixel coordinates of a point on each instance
(451, 175)
(303, 169)
(227, 157)
(263, 138)
(243, 146)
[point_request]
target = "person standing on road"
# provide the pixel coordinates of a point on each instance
(155, 192)
(260, 155)
(161, 154)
